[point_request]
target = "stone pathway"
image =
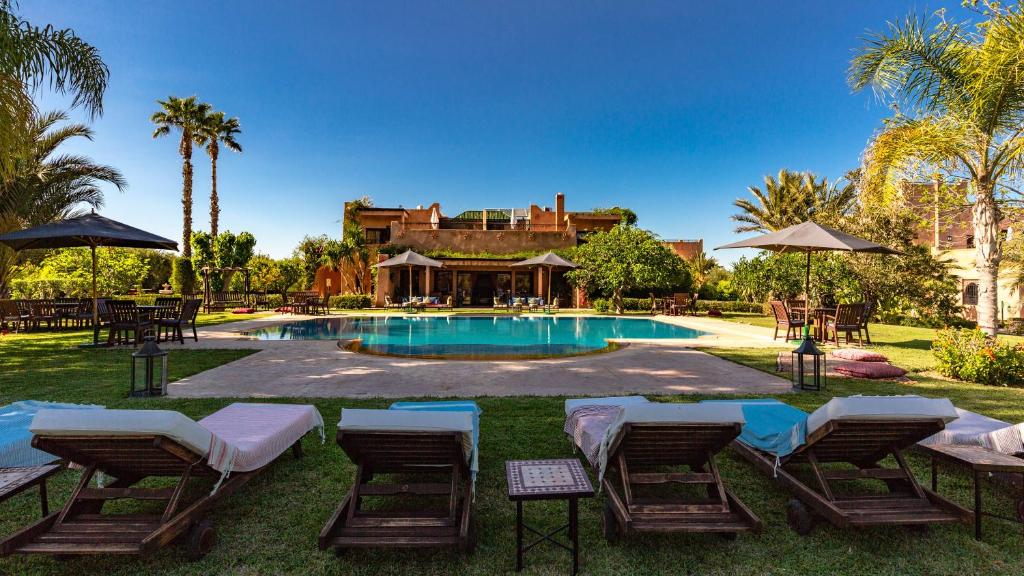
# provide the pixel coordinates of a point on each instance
(320, 369)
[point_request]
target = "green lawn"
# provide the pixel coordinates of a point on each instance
(270, 526)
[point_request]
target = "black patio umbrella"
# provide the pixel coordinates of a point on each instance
(811, 237)
(90, 230)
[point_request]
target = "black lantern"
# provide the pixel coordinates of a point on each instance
(808, 366)
(149, 378)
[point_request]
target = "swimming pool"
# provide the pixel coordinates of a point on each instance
(475, 336)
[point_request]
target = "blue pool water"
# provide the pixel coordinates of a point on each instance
(475, 336)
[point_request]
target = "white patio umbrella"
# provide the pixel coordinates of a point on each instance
(551, 260)
(410, 259)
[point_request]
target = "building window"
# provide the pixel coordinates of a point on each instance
(971, 294)
(970, 241)
(378, 235)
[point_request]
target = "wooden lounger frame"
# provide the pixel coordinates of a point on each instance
(385, 452)
(80, 528)
(643, 448)
(864, 443)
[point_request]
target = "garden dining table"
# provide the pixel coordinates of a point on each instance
(821, 314)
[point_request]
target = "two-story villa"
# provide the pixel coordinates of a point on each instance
(477, 249)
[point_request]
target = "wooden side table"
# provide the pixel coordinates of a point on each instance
(980, 461)
(562, 479)
(17, 480)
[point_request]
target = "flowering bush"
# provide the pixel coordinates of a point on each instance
(975, 356)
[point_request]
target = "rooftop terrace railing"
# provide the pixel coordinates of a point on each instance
(523, 226)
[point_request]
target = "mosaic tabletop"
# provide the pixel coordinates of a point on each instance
(539, 479)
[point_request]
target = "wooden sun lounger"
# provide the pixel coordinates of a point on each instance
(80, 528)
(636, 469)
(355, 525)
(863, 443)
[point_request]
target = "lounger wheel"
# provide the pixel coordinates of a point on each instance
(611, 524)
(200, 539)
(798, 517)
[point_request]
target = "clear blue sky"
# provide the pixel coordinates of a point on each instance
(670, 108)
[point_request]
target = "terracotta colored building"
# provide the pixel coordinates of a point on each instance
(948, 230)
(475, 270)
(686, 249)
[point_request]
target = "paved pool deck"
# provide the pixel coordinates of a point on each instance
(320, 368)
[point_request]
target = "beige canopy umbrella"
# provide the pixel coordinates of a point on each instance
(551, 260)
(410, 259)
(811, 237)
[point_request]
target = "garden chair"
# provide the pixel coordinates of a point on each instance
(185, 318)
(784, 320)
(797, 309)
(43, 311)
(433, 453)
(230, 447)
(680, 304)
(861, 434)
(848, 319)
(126, 319)
(869, 310)
(260, 300)
(499, 304)
(11, 315)
(656, 465)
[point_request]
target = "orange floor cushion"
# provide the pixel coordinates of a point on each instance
(870, 370)
(859, 355)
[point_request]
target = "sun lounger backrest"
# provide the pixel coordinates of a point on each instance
(125, 456)
(388, 452)
(673, 444)
(867, 441)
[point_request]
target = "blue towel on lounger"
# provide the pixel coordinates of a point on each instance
(771, 426)
(451, 406)
(16, 449)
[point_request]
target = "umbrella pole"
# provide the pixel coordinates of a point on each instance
(95, 304)
(548, 301)
(807, 298)
(410, 284)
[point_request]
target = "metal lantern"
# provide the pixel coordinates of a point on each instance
(808, 366)
(148, 378)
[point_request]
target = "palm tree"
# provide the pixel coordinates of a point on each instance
(792, 198)
(33, 56)
(701, 266)
(186, 115)
(965, 83)
(217, 130)
(45, 186)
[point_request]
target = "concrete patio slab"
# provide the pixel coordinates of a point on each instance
(321, 369)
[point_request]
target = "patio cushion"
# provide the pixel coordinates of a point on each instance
(881, 408)
(859, 355)
(870, 370)
(574, 403)
(975, 429)
(243, 310)
(771, 426)
(361, 419)
(258, 433)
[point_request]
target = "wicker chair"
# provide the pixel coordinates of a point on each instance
(848, 320)
(784, 320)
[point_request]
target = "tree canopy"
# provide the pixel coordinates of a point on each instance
(626, 259)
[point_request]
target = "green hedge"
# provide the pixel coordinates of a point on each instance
(604, 305)
(351, 301)
(731, 306)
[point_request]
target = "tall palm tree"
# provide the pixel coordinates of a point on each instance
(185, 115)
(217, 130)
(46, 186)
(701, 266)
(792, 198)
(32, 56)
(966, 83)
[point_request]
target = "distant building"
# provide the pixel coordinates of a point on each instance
(685, 249)
(472, 246)
(949, 231)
